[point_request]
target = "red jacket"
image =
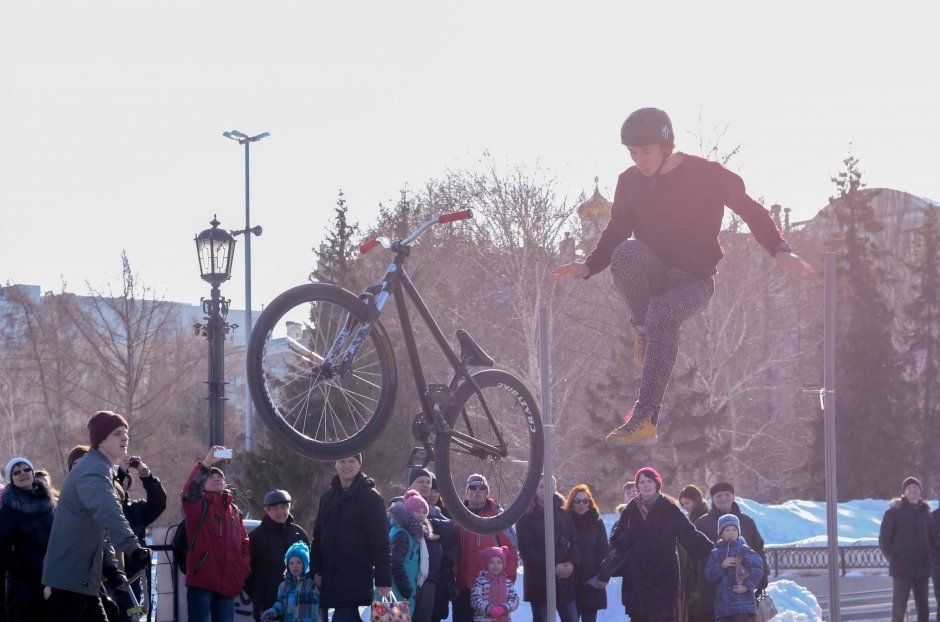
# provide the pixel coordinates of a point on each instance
(219, 556)
(472, 544)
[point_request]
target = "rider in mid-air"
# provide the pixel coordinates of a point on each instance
(672, 204)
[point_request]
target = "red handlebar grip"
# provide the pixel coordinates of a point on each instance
(467, 213)
(365, 247)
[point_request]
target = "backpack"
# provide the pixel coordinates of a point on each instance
(180, 545)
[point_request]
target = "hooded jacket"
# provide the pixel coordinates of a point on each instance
(531, 533)
(906, 539)
(408, 540)
(350, 546)
(218, 559)
(749, 573)
(88, 520)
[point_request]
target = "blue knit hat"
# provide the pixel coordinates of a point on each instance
(726, 520)
(298, 549)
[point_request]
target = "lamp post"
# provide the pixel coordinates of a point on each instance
(244, 139)
(215, 248)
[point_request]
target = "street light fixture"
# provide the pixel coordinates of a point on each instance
(244, 139)
(215, 249)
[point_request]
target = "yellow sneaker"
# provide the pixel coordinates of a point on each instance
(639, 346)
(637, 430)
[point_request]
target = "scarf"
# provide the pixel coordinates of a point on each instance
(423, 565)
(644, 508)
(498, 592)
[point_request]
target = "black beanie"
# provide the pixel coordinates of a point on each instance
(910, 479)
(416, 472)
(720, 487)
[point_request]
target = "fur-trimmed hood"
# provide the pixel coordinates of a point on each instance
(902, 502)
(399, 515)
(37, 500)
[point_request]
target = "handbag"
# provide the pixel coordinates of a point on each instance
(390, 609)
(766, 609)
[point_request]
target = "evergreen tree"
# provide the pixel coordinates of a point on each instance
(338, 250)
(869, 379)
(922, 316)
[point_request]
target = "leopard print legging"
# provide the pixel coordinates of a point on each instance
(660, 298)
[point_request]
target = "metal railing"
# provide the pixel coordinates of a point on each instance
(783, 558)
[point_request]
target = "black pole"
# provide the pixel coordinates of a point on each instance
(216, 309)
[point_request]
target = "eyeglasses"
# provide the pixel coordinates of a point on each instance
(581, 501)
(476, 487)
(23, 470)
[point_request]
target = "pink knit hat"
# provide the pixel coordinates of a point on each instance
(413, 500)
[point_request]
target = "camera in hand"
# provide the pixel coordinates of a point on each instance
(134, 462)
(223, 453)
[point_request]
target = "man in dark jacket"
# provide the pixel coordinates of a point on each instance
(906, 539)
(218, 559)
(531, 533)
(269, 542)
(350, 549)
(723, 502)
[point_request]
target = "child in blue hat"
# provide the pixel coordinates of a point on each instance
(736, 570)
(298, 598)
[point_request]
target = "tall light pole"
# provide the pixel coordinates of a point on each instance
(244, 139)
(215, 249)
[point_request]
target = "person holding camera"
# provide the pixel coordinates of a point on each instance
(139, 514)
(88, 522)
(217, 563)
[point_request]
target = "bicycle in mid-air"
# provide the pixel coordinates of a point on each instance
(323, 376)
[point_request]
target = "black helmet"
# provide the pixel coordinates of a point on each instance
(647, 126)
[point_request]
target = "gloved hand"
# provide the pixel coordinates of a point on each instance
(142, 556)
(497, 611)
(113, 577)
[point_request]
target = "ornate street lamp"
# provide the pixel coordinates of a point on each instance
(215, 249)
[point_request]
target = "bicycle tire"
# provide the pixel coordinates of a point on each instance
(514, 478)
(314, 413)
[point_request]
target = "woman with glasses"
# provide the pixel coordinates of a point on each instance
(25, 525)
(592, 538)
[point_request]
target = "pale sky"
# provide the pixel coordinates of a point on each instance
(112, 113)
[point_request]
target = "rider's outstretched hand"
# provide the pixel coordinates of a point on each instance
(789, 263)
(575, 268)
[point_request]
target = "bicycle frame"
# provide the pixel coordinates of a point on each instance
(395, 283)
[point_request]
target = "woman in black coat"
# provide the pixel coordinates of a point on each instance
(530, 531)
(647, 534)
(25, 525)
(592, 540)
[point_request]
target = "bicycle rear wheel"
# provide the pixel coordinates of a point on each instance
(293, 357)
(507, 449)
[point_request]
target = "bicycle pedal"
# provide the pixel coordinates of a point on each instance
(421, 456)
(441, 396)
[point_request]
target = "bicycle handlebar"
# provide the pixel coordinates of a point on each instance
(462, 215)
(371, 243)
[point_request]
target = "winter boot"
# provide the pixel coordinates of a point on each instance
(638, 429)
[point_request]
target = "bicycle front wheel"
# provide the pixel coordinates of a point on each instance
(294, 375)
(496, 433)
